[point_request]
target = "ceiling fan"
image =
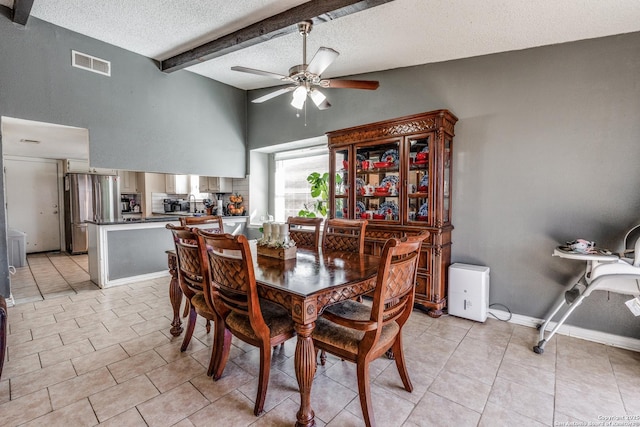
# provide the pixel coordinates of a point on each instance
(306, 77)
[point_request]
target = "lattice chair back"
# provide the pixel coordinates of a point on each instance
(346, 235)
(395, 286)
(230, 267)
(211, 223)
(190, 273)
(305, 231)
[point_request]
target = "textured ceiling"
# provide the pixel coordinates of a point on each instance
(397, 34)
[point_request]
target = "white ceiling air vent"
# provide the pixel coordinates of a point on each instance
(90, 63)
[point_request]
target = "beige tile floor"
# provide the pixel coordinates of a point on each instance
(81, 356)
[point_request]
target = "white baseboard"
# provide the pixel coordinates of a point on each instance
(134, 279)
(627, 343)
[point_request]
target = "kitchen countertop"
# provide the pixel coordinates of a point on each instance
(157, 218)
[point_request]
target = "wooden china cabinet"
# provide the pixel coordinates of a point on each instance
(397, 174)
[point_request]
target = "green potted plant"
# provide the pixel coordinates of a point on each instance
(320, 192)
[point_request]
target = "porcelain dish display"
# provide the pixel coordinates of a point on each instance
(390, 156)
(359, 184)
(382, 164)
(424, 181)
(424, 210)
(360, 208)
(390, 180)
(388, 207)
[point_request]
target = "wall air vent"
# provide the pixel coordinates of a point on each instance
(90, 63)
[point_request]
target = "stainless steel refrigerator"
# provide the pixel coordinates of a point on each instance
(88, 198)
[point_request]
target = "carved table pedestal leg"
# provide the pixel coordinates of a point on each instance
(305, 362)
(175, 294)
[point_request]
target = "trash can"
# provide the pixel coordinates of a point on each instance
(17, 247)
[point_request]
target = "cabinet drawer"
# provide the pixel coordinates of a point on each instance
(425, 242)
(424, 263)
(384, 235)
(375, 240)
(423, 286)
(427, 290)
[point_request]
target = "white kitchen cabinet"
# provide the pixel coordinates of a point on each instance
(76, 166)
(215, 184)
(103, 171)
(82, 166)
(128, 181)
(177, 184)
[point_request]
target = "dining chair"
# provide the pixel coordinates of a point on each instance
(305, 231)
(345, 235)
(235, 297)
(192, 280)
(360, 333)
(207, 222)
(214, 220)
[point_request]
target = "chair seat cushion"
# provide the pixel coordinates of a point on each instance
(275, 316)
(350, 309)
(200, 304)
(346, 338)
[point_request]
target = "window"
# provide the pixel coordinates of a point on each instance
(292, 191)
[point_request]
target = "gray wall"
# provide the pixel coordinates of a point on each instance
(138, 119)
(547, 150)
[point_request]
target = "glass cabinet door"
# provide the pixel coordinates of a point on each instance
(341, 182)
(377, 184)
(418, 181)
(446, 178)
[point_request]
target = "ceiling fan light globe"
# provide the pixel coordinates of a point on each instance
(299, 96)
(317, 97)
(298, 103)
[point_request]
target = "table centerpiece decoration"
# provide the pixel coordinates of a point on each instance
(275, 242)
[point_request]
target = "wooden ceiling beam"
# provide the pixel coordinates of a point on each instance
(21, 11)
(284, 23)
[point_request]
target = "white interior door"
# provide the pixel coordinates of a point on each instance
(33, 201)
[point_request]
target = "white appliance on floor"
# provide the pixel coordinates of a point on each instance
(468, 291)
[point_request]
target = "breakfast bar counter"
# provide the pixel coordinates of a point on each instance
(126, 252)
(122, 252)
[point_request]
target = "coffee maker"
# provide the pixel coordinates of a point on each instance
(168, 205)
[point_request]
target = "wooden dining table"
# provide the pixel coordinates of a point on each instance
(305, 286)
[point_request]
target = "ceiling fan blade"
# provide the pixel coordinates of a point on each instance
(350, 84)
(321, 60)
(260, 72)
(273, 94)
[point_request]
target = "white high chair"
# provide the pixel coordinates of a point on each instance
(604, 272)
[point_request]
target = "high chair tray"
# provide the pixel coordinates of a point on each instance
(598, 254)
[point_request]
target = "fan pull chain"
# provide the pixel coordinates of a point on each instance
(305, 113)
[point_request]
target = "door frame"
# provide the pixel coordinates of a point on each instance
(59, 184)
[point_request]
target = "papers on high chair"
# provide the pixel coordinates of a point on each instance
(634, 305)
